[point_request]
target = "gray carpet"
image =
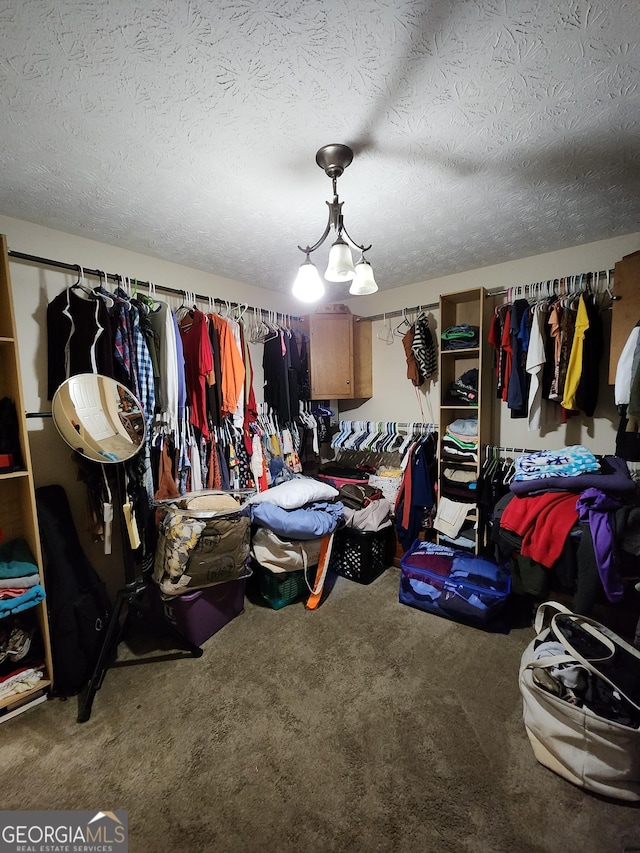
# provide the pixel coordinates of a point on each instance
(364, 726)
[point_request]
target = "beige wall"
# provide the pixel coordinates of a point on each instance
(395, 399)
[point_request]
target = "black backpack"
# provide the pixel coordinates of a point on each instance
(77, 601)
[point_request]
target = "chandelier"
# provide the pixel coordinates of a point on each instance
(308, 285)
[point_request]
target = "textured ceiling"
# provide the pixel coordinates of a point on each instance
(484, 130)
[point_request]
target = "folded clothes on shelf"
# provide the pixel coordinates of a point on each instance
(465, 387)
(461, 336)
(455, 448)
(467, 427)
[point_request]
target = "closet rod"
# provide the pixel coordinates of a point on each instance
(400, 312)
(397, 424)
(497, 448)
(48, 262)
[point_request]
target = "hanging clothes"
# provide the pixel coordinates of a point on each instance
(238, 412)
(536, 357)
(198, 363)
(164, 327)
(413, 372)
(546, 356)
(574, 364)
(567, 328)
(232, 366)
(593, 350)
(78, 338)
(294, 369)
(423, 348)
(276, 376)
(250, 404)
(145, 382)
(214, 383)
(180, 368)
(517, 390)
(416, 491)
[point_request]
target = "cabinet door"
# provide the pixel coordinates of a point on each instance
(626, 311)
(331, 356)
(362, 360)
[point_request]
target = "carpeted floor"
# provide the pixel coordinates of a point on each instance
(364, 727)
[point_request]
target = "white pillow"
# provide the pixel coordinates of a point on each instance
(292, 494)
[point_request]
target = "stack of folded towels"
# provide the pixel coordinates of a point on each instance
(19, 579)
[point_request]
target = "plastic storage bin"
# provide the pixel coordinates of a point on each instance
(452, 583)
(362, 555)
(201, 613)
(278, 589)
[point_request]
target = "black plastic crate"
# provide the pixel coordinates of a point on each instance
(362, 555)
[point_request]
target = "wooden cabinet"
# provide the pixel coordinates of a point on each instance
(626, 307)
(340, 362)
(18, 518)
(467, 307)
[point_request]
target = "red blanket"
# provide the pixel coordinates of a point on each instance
(544, 522)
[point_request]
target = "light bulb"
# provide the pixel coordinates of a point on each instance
(308, 286)
(340, 266)
(364, 282)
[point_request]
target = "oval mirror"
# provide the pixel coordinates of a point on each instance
(99, 417)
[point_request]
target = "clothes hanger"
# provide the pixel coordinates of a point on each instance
(81, 284)
(103, 292)
(387, 332)
(273, 329)
(403, 326)
(148, 299)
(183, 311)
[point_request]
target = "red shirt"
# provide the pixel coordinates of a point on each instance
(198, 364)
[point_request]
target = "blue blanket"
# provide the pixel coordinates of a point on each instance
(310, 522)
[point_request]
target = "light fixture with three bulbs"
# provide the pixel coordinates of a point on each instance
(308, 286)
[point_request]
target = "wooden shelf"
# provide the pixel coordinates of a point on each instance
(456, 308)
(12, 475)
(16, 703)
(463, 407)
(18, 514)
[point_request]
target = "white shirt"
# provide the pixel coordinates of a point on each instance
(624, 370)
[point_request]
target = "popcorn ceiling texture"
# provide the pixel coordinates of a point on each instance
(484, 130)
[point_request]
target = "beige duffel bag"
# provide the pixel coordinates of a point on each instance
(598, 754)
(284, 555)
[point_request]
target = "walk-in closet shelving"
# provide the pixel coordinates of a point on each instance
(466, 307)
(18, 517)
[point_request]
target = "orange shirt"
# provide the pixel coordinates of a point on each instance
(231, 365)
